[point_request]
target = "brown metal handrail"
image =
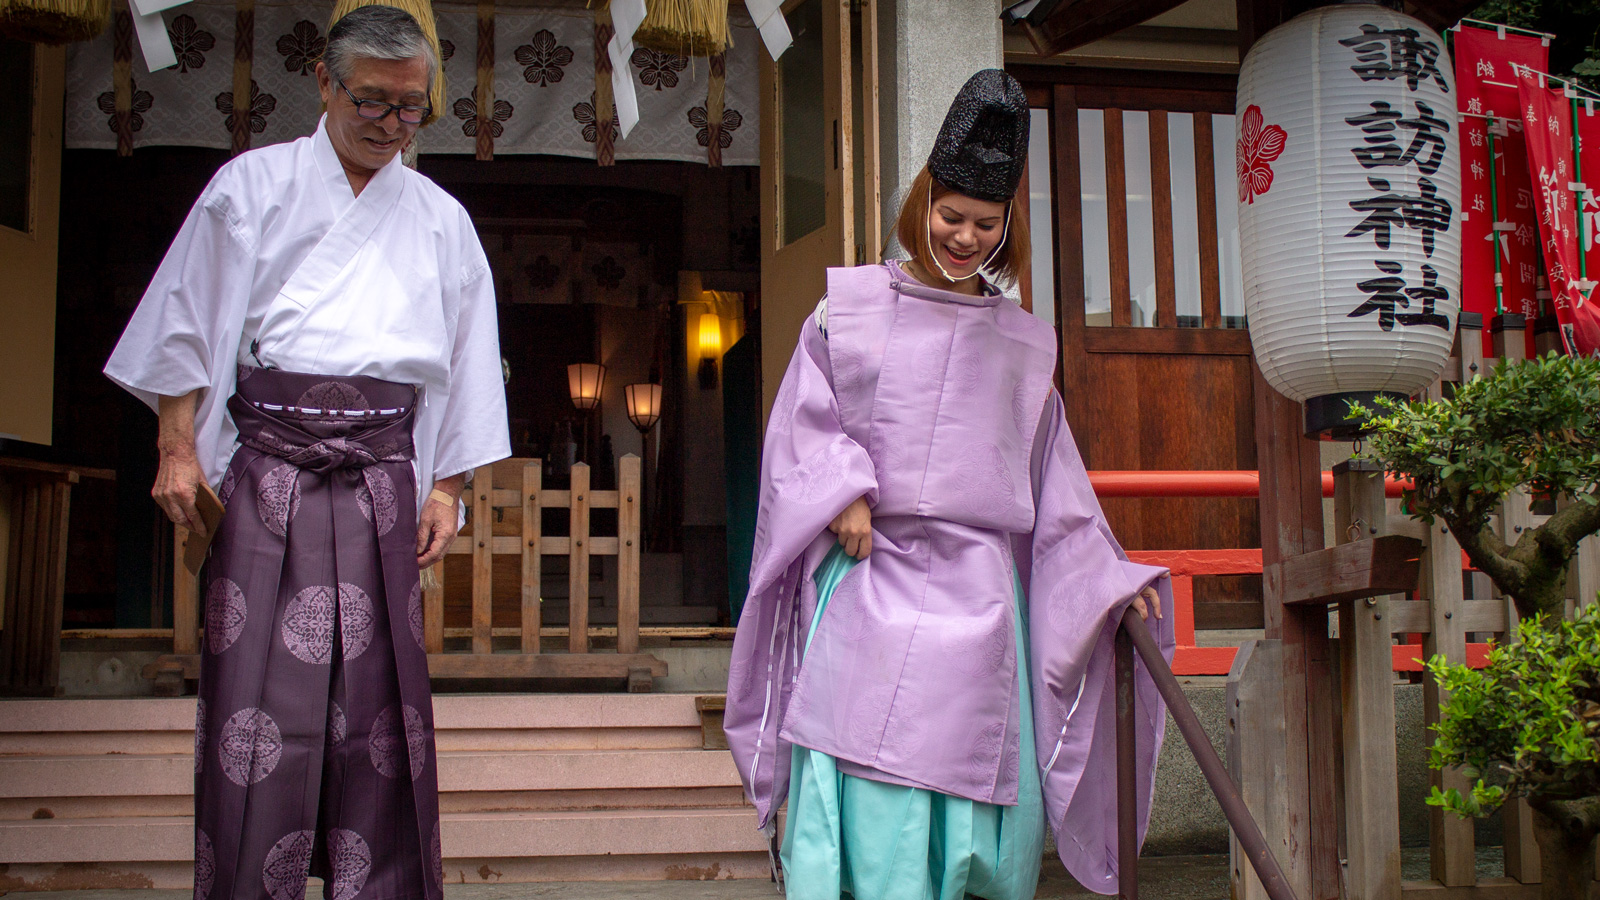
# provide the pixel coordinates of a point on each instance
(1134, 636)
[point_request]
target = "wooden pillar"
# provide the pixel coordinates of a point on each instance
(1291, 524)
(1371, 787)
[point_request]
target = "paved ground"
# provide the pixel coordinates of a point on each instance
(1160, 878)
(1167, 878)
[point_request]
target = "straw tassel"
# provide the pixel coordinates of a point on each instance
(685, 27)
(716, 98)
(244, 52)
(484, 93)
(122, 78)
(605, 151)
(53, 21)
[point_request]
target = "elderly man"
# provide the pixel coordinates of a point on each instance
(320, 344)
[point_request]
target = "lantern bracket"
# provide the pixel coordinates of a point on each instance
(1327, 416)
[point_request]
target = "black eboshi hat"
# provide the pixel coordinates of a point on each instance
(983, 143)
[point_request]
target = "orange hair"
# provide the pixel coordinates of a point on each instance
(911, 228)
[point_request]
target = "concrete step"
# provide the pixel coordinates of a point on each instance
(478, 836)
(42, 777)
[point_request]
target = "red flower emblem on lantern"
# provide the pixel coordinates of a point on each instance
(1259, 144)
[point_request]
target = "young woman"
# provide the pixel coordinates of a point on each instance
(923, 667)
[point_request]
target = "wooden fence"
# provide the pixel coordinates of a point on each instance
(1379, 628)
(505, 506)
(509, 498)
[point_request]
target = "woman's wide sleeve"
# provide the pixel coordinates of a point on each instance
(1080, 584)
(810, 471)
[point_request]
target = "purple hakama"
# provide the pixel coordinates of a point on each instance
(314, 750)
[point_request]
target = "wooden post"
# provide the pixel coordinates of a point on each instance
(483, 560)
(1255, 755)
(532, 554)
(1507, 333)
(1450, 837)
(1521, 849)
(578, 565)
(1371, 793)
(1291, 524)
(628, 498)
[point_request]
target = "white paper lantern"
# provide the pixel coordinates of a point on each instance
(1349, 188)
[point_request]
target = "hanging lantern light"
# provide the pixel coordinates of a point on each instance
(1349, 179)
(644, 405)
(584, 381)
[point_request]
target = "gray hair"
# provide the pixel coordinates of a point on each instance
(377, 32)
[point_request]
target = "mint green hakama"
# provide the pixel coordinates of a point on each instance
(871, 840)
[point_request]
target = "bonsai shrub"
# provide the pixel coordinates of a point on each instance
(1528, 725)
(1534, 424)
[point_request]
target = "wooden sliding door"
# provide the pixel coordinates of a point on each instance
(1155, 361)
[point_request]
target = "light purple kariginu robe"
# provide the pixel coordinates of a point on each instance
(938, 408)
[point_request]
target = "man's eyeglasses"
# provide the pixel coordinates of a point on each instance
(376, 110)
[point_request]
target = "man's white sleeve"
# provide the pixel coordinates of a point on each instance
(189, 321)
(473, 430)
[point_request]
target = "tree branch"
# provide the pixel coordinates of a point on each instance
(1558, 538)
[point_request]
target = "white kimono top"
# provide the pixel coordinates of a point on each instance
(280, 255)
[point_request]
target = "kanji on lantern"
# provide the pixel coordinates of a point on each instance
(1390, 291)
(1424, 211)
(1382, 127)
(1394, 53)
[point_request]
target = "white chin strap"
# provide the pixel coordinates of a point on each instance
(1005, 229)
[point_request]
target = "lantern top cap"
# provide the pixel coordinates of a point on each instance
(983, 144)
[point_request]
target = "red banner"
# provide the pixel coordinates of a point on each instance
(1547, 118)
(1487, 63)
(1586, 314)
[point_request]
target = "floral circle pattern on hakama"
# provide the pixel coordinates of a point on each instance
(226, 611)
(351, 861)
(250, 746)
(288, 863)
(308, 624)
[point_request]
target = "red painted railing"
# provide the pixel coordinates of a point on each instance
(1186, 565)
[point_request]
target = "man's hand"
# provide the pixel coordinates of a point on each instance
(1149, 600)
(854, 528)
(436, 522)
(179, 475)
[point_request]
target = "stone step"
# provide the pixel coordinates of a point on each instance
(475, 836)
(500, 722)
(127, 775)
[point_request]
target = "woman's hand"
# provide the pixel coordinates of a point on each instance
(179, 476)
(436, 522)
(1149, 600)
(854, 528)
